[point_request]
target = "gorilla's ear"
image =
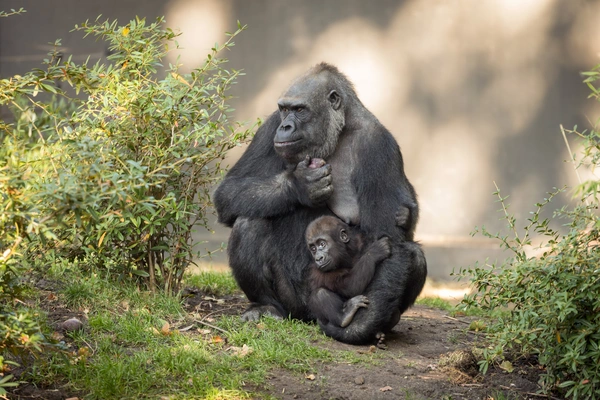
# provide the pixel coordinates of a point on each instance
(335, 99)
(344, 236)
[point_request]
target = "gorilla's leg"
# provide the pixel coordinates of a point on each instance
(329, 308)
(269, 261)
(395, 286)
(252, 274)
(417, 272)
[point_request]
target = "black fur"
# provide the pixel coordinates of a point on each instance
(269, 197)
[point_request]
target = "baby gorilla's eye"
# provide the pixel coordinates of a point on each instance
(321, 244)
(313, 248)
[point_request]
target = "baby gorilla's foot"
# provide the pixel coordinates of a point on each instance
(381, 341)
(351, 307)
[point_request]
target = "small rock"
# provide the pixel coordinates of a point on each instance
(359, 380)
(72, 324)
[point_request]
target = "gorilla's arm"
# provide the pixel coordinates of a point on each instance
(382, 188)
(261, 185)
(363, 270)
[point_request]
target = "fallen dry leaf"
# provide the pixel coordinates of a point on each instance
(507, 366)
(241, 351)
(166, 329)
(217, 339)
(385, 389)
(311, 377)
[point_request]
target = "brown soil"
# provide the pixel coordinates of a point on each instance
(428, 356)
(410, 367)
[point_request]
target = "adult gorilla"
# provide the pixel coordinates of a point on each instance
(281, 183)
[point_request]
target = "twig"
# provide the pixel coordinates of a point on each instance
(456, 319)
(89, 346)
(212, 326)
(570, 153)
(529, 394)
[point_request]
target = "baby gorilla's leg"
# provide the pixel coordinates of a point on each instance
(351, 307)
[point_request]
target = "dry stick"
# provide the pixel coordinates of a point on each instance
(573, 160)
(212, 326)
(456, 319)
(528, 393)
(570, 153)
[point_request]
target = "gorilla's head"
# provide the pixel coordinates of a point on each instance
(312, 114)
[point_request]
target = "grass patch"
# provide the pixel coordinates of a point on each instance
(435, 302)
(132, 346)
(215, 283)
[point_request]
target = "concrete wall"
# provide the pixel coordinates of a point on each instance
(474, 91)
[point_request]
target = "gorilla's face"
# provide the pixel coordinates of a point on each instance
(311, 120)
(326, 238)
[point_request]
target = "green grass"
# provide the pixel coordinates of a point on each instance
(128, 354)
(454, 310)
(435, 302)
(215, 283)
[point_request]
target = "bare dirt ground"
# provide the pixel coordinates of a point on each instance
(428, 356)
(410, 367)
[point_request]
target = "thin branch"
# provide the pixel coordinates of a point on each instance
(571, 154)
(212, 326)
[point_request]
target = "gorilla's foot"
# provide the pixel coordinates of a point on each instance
(255, 311)
(381, 341)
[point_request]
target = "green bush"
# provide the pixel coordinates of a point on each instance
(123, 170)
(553, 297)
(109, 165)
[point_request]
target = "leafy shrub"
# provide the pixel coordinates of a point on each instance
(108, 164)
(553, 298)
(125, 169)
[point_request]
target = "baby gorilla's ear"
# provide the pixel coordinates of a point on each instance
(344, 236)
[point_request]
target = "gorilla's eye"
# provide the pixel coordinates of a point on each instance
(312, 248)
(321, 244)
(299, 109)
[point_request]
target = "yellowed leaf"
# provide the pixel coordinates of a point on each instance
(180, 79)
(217, 339)
(311, 377)
(507, 366)
(101, 239)
(166, 329)
(385, 389)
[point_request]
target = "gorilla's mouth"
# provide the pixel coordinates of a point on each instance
(286, 144)
(324, 264)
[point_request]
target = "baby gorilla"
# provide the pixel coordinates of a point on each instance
(343, 267)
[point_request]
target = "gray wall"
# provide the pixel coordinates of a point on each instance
(474, 91)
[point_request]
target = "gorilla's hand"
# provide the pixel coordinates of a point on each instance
(313, 182)
(380, 249)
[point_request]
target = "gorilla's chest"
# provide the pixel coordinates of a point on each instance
(344, 200)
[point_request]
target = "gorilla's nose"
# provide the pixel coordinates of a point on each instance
(287, 126)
